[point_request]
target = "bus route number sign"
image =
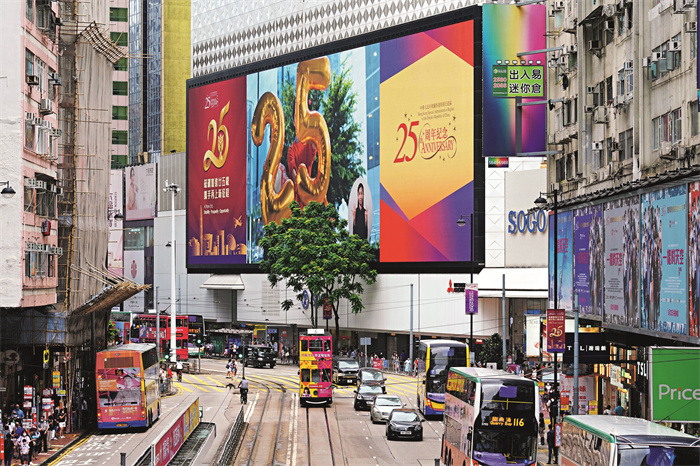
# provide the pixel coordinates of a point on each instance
(507, 421)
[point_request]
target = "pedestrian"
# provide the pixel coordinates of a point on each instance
(407, 366)
(234, 365)
(228, 369)
(542, 429)
(9, 447)
(170, 374)
(61, 423)
(607, 410)
(43, 435)
(551, 442)
(619, 410)
(24, 447)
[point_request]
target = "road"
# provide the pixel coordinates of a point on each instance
(338, 435)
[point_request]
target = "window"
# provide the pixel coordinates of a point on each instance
(628, 146)
(621, 74)
(119, 14)
(52, 85)
(122, 64)
(120, 137)
(51, 265)
(666, 128)
(29, 136)
(41, 74)
(609, 89)
(676, 125)
(608, 151)
(656, 132)
(630, 80)
(30, 10)
(693, 45)
(561, 169)
(570, 170)
(120, 38)
(120, 88)
(694, 131)
(120, 112)
(133, 239)
(569, 109)
(28, 63)
(119, 161)
(29, 199)
(42, 136)
(46, 203)
(674, 56)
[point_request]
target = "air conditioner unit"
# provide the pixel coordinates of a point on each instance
(614, 146)
(572, 48)
(32, 80)
(609, 25)
(37, 121)
(646, 62)
(46, 124)
(29, 117)
(598, 146)
(59, 251)
(690, 26)
(600, 114)
(558, 6)
(55, 133)
(41, 184)
(656, 56)
(46, 106)
(563, 59)
(590, 89)
(570, 24)
(594, 45)
(588, 109)
(667, 150)
(55, 79)
(552, 63)
(628, 65)
(54, 188)
(30, 182)
(675, 46)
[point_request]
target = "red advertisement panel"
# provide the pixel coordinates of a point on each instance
(216, 159)
(556, 335)
(167, 446)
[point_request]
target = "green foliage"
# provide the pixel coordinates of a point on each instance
(313, 249)
(492, 350)
(113, 333)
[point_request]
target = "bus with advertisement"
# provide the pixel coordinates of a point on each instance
(128, 389)
(601, 440)
(490, 418)
(315, 368)
(435, 358)
(144, 327)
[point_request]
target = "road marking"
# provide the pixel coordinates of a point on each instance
(292, 432)
(181, 387)
(202, 384)
(216, 382)
(249, 412)
(69, 450)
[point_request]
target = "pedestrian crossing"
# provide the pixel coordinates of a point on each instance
(191, 383)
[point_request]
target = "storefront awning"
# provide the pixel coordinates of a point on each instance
(520, 282)
(224, 282)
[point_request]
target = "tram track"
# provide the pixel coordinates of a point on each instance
(309, 435)
(258, 451)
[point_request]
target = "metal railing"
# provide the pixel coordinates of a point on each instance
(230, 445)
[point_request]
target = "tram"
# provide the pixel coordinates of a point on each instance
(315, 368)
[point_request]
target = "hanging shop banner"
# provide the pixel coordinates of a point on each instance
(532, 336)
(664, 286)
(115, 248)
(615, 376)
(674, 384)
(471, 299)
(327, 310)
(621, 299)
(565, 256)
(588, 259)
(141, 192)
(592, 348)
(56, 379)
(693, 259)
(556, 342)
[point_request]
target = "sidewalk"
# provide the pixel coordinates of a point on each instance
(56, 447)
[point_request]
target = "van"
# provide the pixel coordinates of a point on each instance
(259, 356)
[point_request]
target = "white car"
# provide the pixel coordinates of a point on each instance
(383, 406)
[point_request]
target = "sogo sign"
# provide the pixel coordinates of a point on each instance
(532, 222)
(674, 384)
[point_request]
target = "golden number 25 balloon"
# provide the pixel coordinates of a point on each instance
(311, 127)
(275, 206)
(220, 138)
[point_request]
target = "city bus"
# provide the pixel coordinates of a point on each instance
(490, 418)
(196, 332)
(315, 368)
(122, 322)
(435, 358)
(601, 440)
(144, 326)
(128, 389)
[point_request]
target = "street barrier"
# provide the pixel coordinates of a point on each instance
(228, 448)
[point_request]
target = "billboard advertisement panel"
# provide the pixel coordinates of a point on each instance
(674, 384)
(694, 259)
(216, 166)
(134, 270)
(664, 273)
(621, 299)
(362, 129)
(588, 259)
(140, 192)
(115, 248)
(507, 128)
(556, 335)
(564, 272)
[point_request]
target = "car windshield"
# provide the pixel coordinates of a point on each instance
(404, 416)
(345, 365)
(387, 401)
(512, 445)
(370, 390)
(638, 455)
(372, 376)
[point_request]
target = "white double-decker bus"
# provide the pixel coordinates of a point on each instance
(490, 418)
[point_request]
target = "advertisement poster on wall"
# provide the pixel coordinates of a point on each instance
(141, 192)
(556, 335)
(622, 262)
(586, 392)
(526, 32)
(588, 259)
(115, 248)
(564, 273)
(664, 275)
(134, 270)
(694, 259)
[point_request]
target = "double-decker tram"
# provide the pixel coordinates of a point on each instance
(435, 358)
(315, 368)
(128, 391)
(145, 325)
(490, 418)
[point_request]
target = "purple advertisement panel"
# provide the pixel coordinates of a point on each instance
(621, 264)
(664, 274)
(564, 272)
(588, 259)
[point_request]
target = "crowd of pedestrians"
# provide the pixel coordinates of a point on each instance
(23, 440)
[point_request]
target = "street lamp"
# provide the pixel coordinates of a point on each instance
(461, 222)
(7, 191)
(174, 189)
(541, 202)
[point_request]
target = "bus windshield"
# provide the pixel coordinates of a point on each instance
(652, 455)
(513, 445)
(441, 360)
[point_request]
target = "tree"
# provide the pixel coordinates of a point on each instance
(313, 249)
(113, 335)
(492, 350)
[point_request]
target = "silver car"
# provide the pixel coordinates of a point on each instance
(383, 406)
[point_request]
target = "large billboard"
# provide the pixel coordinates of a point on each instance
(694, 259)
(674, 384)
(134, 270)
(588, 259)
(564, 273)
(115, 248)
(141, 192)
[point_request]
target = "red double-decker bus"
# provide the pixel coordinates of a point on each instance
(315, 368)
(145, 324)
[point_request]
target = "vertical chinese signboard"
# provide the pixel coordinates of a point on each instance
(556, 336)
(471, 299)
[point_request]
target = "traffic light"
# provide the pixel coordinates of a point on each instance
(199, 341)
